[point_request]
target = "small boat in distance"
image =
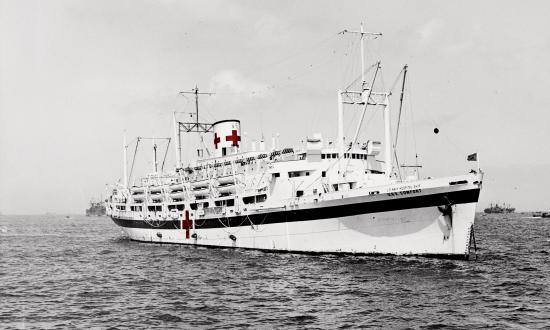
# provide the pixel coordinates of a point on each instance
(499, 209)
(541, 214)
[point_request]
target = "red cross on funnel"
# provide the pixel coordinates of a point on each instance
(216, 140)
(234, 137)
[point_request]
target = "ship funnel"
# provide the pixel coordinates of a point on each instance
(314, 147)
(227, 137)
(373, 147)
(315, 142)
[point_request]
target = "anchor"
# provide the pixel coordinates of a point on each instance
(447, 211)
(472, 239)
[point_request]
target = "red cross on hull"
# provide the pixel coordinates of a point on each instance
(186, 224)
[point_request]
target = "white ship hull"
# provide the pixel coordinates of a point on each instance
(382, 224)
(322, 196)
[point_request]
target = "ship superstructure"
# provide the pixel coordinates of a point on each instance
(318, 197)
(96, 209)
(496, 208)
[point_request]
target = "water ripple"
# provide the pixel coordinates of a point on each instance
(83, 273)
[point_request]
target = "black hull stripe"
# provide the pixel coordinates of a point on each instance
(394, 204)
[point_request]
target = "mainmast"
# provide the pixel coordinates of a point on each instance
(388, 153)
(187, 127)
(405, 69)
(340, 142)
(196, 126)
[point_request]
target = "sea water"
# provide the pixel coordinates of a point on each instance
(82, 272)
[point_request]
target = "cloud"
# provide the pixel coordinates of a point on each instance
(457, 48)
(426, 34)
(231, 81)
(429, 30)
(443, 37)
(270, 29)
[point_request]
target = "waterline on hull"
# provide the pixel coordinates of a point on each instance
(338, 254)
(419, 231)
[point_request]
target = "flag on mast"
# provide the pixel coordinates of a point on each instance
(472, 157)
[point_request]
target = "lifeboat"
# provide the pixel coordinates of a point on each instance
(155, 189)
(177, 186)
(139, 197)
(137, 190)
(158, 197)
(199, 184)
(226, 179)
(230, 188)
(202, 192)
(180, 194)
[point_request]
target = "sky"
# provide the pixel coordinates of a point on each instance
(74, 75)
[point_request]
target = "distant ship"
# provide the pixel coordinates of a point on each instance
(96, 209)
(499, 209)
(541, 215)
